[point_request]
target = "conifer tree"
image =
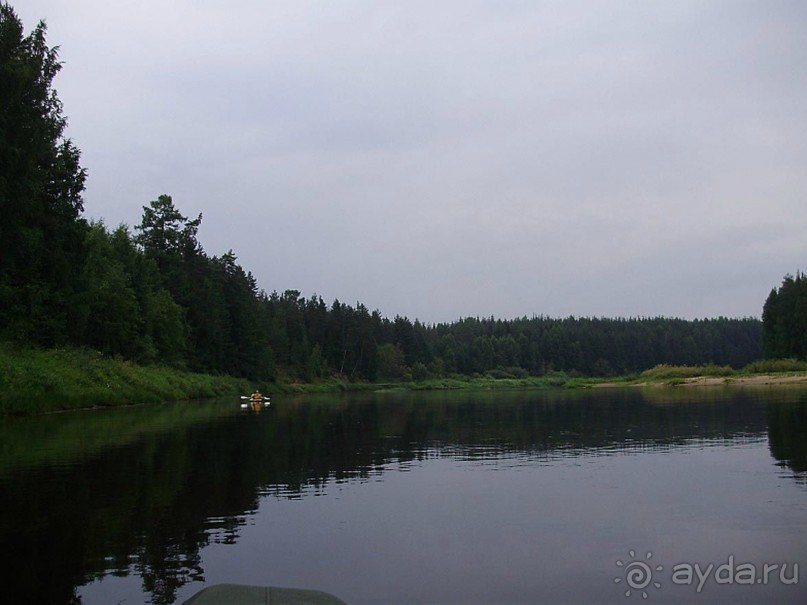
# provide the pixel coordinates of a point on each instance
(41, 185)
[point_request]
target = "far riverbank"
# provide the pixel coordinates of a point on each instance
(36, 381)
(755, 380)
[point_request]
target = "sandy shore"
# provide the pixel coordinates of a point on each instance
(760, 380)
(706, 381)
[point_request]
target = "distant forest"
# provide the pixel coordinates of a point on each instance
(154, 296)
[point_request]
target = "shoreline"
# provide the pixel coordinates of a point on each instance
(36, 381)
(754, 380)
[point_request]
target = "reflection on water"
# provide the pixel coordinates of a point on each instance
(787, 431)
(145, 504)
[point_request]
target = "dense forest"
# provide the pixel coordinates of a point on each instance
(784, 320)
(153, 295)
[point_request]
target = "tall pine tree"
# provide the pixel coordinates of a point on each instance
(41, 182)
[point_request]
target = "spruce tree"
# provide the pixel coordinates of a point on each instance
(41, 185)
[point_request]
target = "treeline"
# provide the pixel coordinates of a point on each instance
(157, 297)
(351, 341)
(784, 320)
(153, 295)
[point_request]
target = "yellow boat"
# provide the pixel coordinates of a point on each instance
(256, 401)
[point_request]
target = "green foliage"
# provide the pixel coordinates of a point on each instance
(668, 372)
(556, 379)
(166, 235)
(499, 374)
(391, 363)
(38, 381)
(113, 319)
(784, 320)
(773, 366)
(314, 364)
(419, 371)
(41, 182)
(166, 330)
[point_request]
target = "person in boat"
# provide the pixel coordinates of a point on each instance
(256, 396)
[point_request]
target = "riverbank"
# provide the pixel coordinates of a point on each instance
(707, 381)
(36, 381)
(455, 382)
(760, 373)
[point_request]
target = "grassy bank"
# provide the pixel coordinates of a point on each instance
(454, 382)
(760, 372)
(34, 381)
(757, 373)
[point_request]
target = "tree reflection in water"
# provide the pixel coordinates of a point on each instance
(143, 491)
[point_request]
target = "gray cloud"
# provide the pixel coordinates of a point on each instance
(457, 158)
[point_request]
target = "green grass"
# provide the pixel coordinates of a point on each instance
(776, 366)
(487, 382)
(454, 382)
(668, 372)
(673, 375)
(679, 374)
(34, 381)
(667, 375)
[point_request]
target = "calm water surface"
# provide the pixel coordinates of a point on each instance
(506, 497)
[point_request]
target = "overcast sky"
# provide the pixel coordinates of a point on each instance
(440, 159)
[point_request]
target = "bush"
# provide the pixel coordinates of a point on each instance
(668, 372)
(37, 381)
(556, 379)
(419, 372)
(499, 374)
(776, 365)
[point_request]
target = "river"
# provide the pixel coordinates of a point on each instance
(591, 496)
